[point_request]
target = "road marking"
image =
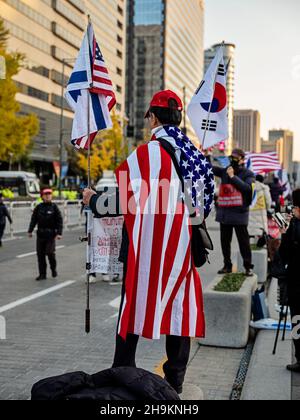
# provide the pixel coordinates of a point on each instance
(35, 296)
(29, 254)
(115, 303)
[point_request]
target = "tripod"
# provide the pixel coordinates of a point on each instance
(283, 301)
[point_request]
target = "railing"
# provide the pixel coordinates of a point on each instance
(21, 212)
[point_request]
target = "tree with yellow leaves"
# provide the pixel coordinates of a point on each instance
(16, 131)
(107, 151)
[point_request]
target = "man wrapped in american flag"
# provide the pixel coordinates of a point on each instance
(162, 293)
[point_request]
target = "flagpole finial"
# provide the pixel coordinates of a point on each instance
(89, 19)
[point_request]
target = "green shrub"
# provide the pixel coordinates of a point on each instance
(231, 283)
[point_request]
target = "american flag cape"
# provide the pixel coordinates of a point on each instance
(163, 293)
(90, 84)
(263, 162)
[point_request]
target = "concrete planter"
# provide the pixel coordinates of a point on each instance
(260, 262)
(228, 315)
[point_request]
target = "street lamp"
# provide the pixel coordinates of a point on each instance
(65, 61)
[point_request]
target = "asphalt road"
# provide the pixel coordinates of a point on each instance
(45, 320)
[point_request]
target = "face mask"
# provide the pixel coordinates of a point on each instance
(234, 162)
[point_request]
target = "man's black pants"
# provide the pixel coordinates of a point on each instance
(46, 248)
(244, 244)
(2, 228)
(294, 303)
(177, 349)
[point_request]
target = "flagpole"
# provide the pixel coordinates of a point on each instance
(210, 105)
(88, 259)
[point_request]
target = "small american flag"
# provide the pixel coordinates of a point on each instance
(102, 83)
(263, 162)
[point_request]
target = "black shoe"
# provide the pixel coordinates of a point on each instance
(294, 368)
(39, 278)
(225, 270)
(249, 272)
(54, 274)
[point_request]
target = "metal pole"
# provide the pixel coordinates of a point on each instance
(61, 127)
(88, 263)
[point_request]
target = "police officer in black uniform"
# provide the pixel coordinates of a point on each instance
(48, 218)
(3, 215)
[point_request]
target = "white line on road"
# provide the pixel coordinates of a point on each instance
(29, 254)
(35, 296)
(116, 302)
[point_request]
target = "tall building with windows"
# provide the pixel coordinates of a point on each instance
(246, 130)
(165, 51)
(229, 59)
(284, 140)
(49, 32)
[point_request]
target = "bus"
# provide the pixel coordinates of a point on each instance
(22, 184)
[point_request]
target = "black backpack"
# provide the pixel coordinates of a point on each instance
(201, 241)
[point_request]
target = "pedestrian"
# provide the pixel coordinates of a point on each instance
(258, 222)
(162, 292)
(277, 191)
(3, 215)
(233, 204)
(48, 219)
(289, 252)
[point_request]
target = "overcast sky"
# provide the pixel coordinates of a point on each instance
(267, 37)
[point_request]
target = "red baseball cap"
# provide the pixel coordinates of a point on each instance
(46, 191)
(161, 100)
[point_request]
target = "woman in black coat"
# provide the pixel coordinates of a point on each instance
(290, 254)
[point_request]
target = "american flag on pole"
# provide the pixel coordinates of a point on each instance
(90, 86)
(163, 292)
(263, 162)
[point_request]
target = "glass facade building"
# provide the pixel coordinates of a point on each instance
(165, 51)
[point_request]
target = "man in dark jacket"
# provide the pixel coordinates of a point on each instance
(233, 209)
(290, 253)
(48, 218)
(276, 192)
(3, 215)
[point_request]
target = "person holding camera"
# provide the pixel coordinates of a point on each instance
(233, 205)
(289, 252)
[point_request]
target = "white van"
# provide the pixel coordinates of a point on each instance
(22, 184)
(107, 181)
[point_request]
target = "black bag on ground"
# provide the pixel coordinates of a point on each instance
(201, 241)
(116, 384)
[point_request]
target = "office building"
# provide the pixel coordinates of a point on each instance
(285, 147)
(49, 32)
(165, 51)
(246, 130)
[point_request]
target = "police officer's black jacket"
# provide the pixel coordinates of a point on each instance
(48, 219)
(290, 253)
(4, 214)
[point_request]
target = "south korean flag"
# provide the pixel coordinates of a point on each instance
(208, 108)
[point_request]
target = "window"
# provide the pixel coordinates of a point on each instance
(56, 101)
(33, 92)
(29, 12)
(119, 71)
(120, 25)
(120, 10)
(119, 54)
(65, 35)
(79, 4)
(119, 89)
(119, 39)
(68, 14)
(27, 37)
